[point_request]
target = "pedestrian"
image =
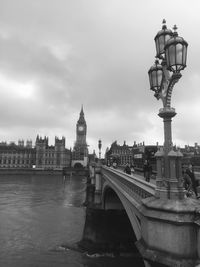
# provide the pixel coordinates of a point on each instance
(191, 174)
(64, 174)
(147, 169)
(187, 183)
(115, 165)
(127, 169)
(132, 169)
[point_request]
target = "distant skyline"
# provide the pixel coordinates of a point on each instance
(57, 55)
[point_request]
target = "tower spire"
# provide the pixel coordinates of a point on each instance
(82, 113)
(81, 117)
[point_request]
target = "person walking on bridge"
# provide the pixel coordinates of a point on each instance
(187, 183)
(191, 174)
(127, 169)
(147, 169)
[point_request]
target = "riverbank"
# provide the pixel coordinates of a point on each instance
(29, 171)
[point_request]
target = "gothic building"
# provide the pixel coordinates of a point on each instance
(17, 156)
(121, 154)
(51, 157)
(80, 150)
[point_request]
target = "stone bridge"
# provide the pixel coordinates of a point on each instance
(167, 230)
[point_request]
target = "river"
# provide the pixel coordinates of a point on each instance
(39, 214)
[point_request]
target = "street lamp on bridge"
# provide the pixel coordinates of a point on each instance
(99, 146)
(171, 55)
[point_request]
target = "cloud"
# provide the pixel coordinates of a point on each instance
(57, 55)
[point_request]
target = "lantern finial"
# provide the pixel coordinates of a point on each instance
(164, 24)
(175, 30)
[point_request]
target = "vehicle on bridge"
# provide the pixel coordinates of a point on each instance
(144, 153)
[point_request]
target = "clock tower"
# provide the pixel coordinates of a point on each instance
(81, 129)
(80, 150)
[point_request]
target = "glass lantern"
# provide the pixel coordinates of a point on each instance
(176, 53)
(161, 39)
(155, 76)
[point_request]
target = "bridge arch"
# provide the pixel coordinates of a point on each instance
(112, 199)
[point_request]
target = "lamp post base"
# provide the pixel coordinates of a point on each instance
(170, 193)
(170, 232)
(169, 168)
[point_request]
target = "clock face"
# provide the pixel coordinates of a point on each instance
(80, 128)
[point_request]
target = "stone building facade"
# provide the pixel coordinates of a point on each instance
(121, 154)
(49, 157)
(17, 156)
(42, 156)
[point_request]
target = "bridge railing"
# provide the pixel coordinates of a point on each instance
(131, 185)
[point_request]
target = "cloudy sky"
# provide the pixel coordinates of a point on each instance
(56, 55)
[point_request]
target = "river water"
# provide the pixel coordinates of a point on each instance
(38, 214)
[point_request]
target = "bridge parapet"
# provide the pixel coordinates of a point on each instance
(130, 185)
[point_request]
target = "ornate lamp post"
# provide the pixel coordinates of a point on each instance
(98, 179)
(171, 54)
(170, 225)
(99, 146)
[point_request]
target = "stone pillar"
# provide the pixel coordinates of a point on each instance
(167, 113)
(179, 167)
(169, 173)
(92, 173)
(98, 183)
(175, 181)
(170, 232)
(198, 234)
(159, 178)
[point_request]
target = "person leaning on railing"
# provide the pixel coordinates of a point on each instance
(127, 169)
(147, 169)
(190, 172)
(187, 183)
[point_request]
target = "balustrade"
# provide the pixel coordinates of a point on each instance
(133, 186)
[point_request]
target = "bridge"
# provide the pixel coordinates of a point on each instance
(167, 228)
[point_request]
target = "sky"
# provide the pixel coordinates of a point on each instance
(57, 55)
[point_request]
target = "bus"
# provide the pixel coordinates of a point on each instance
(144, 153)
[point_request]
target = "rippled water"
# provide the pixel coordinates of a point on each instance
(40, 213)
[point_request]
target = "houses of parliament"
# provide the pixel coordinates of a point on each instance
(44, 156)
